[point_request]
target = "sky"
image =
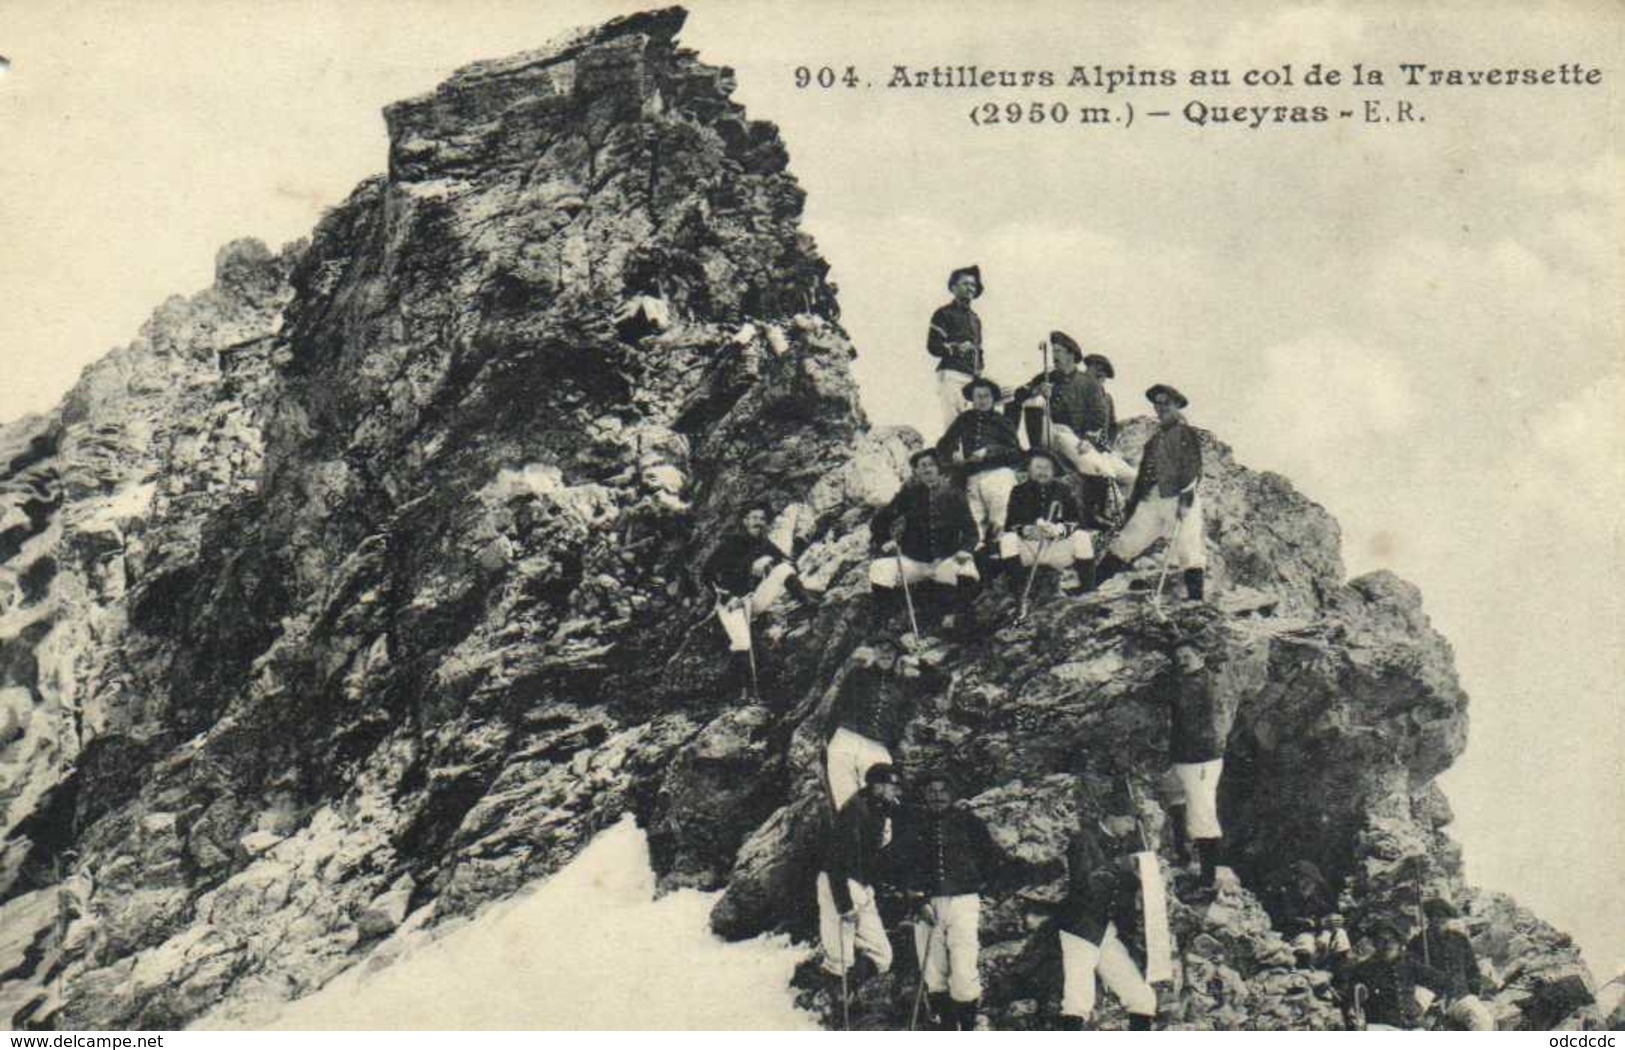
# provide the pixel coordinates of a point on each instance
(1420, 324)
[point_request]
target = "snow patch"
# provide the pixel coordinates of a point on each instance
(588, 948)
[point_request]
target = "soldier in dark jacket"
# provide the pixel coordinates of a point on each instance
(1304, 909)
(1100, 911)
(1383, 985)
(955, 340)
(749, 570)
(944, 855)
(868, 713)
(933, 544)
(849, 921)
(1082, 418)
(1198, 728)
(1044, 525)
(984, 445)
(1445, 964)
(1165, 502)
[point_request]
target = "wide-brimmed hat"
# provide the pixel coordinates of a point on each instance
(1061, 339)
(970, 388)
(974, 271)
(882, 773)
(1162, 391)
(1103, 362)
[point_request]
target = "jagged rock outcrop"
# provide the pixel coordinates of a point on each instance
(360, 591)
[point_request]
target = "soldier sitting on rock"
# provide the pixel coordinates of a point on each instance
(1082, 417)
(867, 715)
(1044, 525)
(983, 444)
(1099, 916)
(1445, 964)
(1383, 984)
(748, 571)
(926, 536)
(943, 855)
(1305, 910)
(1165, 503)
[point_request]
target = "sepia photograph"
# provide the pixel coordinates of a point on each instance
(582, 515)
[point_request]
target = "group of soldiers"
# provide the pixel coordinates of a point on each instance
(967, 516)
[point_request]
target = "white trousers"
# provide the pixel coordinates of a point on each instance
(988, 493)
(736, 617)
(850, 756)
(1199, 783)
(883, 572)
(1155, 518)
(1087, 458)
(947, 948)
(950, 394)
(1080, 961)
(1057, 554)
(842, 940)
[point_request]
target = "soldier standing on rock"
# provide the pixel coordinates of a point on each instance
(1165, 502)
(986, 447)
(933, 544)
(1098, 915)
(943, 854)
(1044, 525)
(1198, 729)
(955, 340)
(866, 719)
(748, 571)
(849, 925)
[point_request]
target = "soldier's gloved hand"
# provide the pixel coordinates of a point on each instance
(963, 558)
(889, 547)
(1046, 388)
(959, 457)
(761, 565)
(1029, 532)
(979, 454)
(925, 914)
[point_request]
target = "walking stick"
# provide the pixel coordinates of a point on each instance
(1167, 556)
(846, 1001)
(1043, 348)
(750, 650)
(919, 990)
(902, 576)
(1038, 559)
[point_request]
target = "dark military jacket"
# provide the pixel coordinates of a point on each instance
(1103, 886)
(1172, 460)
(873, 703)
(972, 430)
(941, 854)
(853, 847)
(729, 566)
(936, 524)
(954, 323)
(1030, 501)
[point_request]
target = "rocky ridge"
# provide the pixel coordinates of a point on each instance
(359, 592)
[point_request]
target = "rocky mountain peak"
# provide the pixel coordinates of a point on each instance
(361, 590)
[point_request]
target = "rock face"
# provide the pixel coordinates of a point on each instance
(361, 590)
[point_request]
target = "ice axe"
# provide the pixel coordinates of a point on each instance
(919, 989)
(1162, 577)
(902, 576)
(1038, 559)
(750, 636)
(1043, 349)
